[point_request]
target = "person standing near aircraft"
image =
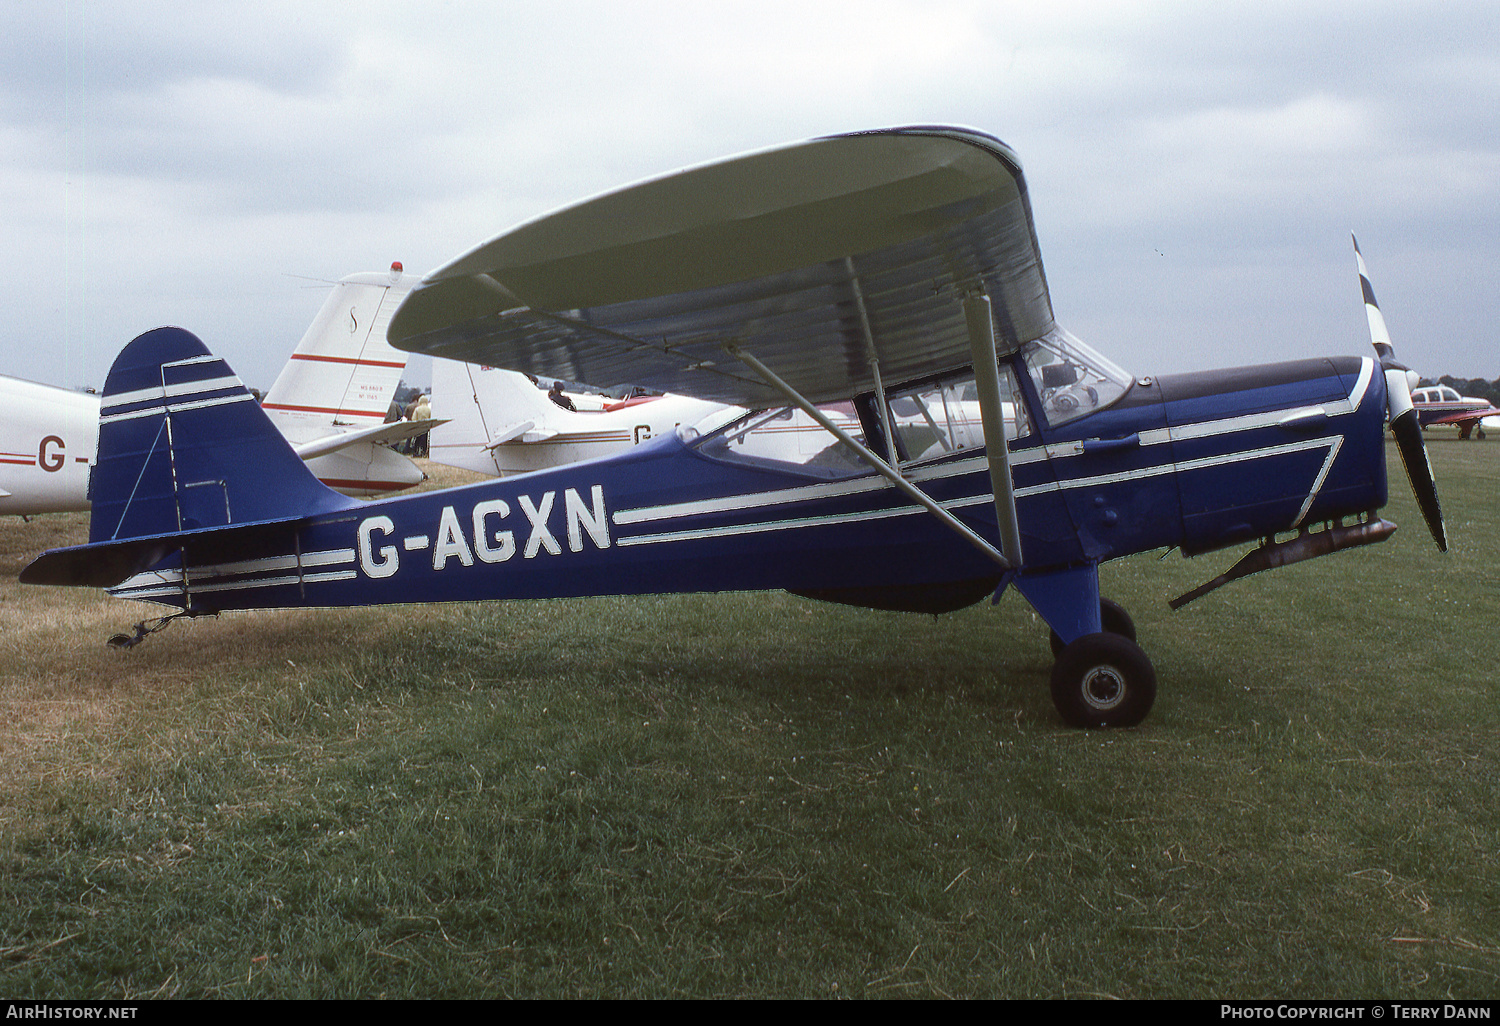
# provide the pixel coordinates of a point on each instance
(423, 412)
(555, 393)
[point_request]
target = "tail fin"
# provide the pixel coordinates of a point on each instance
(184, 446)
(343, 374)
(337, 387)
(485, 406)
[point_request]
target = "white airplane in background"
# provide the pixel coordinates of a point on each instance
(331, 399)
(1441, 404)
(497, 422)
(329, 402)
(47, 440)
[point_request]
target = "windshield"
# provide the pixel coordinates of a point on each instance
(1071, 379)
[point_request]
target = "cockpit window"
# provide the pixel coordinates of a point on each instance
(1070, 378)
(944, 416)
(788, 440)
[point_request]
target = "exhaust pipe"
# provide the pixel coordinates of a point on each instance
(1307, 545)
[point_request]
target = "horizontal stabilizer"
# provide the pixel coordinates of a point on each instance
(396, 431)
(516, 431)
(106, 564)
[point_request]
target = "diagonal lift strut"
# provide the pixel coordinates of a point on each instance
(987, 378)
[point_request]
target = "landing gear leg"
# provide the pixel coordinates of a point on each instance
(1101, 677)
(1112, 618)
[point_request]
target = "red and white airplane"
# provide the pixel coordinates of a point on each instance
(47, 440)
(1441, 404)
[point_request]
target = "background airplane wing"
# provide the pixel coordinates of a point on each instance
(1466, 416)
(396, 431)
(811, 257)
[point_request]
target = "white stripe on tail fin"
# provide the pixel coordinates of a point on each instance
(184, 452)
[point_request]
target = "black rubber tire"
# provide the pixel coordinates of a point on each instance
(1103, 680)
(1112, 618)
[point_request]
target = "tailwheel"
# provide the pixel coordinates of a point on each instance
(1103, 680)
(1112, 618)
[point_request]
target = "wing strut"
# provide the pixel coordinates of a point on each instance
(883, 468)
(987, 381)
(873, 359)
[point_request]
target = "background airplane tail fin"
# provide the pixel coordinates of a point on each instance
(184, 446)
(484, 406)
(343, 374)
(338, 386)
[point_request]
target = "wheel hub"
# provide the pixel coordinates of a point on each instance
(1103, 687)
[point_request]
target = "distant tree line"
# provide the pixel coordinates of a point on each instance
(1477, 387)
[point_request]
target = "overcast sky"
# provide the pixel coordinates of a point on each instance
(1195, 168)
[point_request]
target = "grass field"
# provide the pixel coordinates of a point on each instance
(761, 796)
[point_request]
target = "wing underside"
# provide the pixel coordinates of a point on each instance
(1466, 416)
(824, 260)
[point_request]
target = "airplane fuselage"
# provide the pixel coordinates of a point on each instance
(50, 434)
(887, 286)
(1194, 461)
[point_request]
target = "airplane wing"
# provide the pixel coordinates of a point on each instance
(1465, 416)
(396, 431)
(816, 258)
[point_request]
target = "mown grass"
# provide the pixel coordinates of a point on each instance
(760, 796)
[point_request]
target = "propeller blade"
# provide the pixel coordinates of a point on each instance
(1380, 338)
(1405, 425)
(1408, 432)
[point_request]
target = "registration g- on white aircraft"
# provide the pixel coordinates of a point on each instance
(47, 438)
(330, 403)
(882, 269)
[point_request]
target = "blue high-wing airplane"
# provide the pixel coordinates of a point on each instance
(887, 285)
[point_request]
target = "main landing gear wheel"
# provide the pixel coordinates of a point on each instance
(1103, 680)
(1112, 618)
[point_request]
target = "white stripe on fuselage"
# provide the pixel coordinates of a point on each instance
(213, 577)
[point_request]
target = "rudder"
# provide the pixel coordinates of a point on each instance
(183, 445)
